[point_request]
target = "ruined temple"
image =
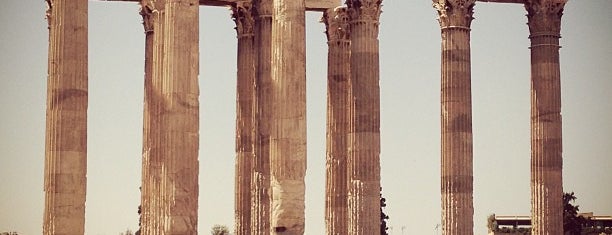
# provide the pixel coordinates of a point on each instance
(271, 115)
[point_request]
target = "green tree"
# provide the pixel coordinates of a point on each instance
(572, 222)
(492, 223)
(218, 229)
(139, 220)
(383, 216)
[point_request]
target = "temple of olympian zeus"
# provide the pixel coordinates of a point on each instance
(271, 108)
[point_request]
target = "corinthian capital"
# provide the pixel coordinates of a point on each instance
(365, 10)
(454, 13)
(150, 11)
(544, 16)
(48, 13)
(146, 11)
(337, 24)
(242, 14)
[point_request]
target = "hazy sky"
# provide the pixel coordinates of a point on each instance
(410, 109)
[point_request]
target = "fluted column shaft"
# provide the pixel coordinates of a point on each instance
(66, 123)
(151, 162)
(338, 76)
(288, 129)
(456, 117)
(152, 221)
(170, 158)
(364, 120)
(245, 116)
(544, 21)
(260, 182)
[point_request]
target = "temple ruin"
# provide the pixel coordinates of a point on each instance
(271, 116)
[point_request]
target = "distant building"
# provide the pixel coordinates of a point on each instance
(521, 225)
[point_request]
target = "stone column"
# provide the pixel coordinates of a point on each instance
(288, 129)
(170, 160)
(544, 21)
(150, 220)
(66, 127)
(260, 182)
(363, 167)
(338, 76)
(245, 116)
(455, 17)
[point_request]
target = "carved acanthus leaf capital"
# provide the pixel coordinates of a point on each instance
(146, 11)
(544, 16)
(337, 24)
(242, 14)
(151, 10)
(454, 13)
(364, 10)
(48, 12)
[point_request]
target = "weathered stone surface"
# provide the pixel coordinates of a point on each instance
(321, 5)
(338, 96)
(245, 116)
(271, 124)
(455, 17)
(288, 129)
(544, 21)
(66, 127)
(151, 160)
(311, 5)
(364, 120)
(171, 122)
(503, 1)
(260, 183)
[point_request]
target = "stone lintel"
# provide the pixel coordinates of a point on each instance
(322, 5)
(311, 5)
(503, 1)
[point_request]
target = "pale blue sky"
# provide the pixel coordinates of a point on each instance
(410, 122)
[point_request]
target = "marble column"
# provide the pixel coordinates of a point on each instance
(151, 162)
(288, 129)
(171, 141)
(363, 169)
(260, 182)
(544, 21)
(455, 17)
(338, 76)
(245, 116)
(66, 124)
